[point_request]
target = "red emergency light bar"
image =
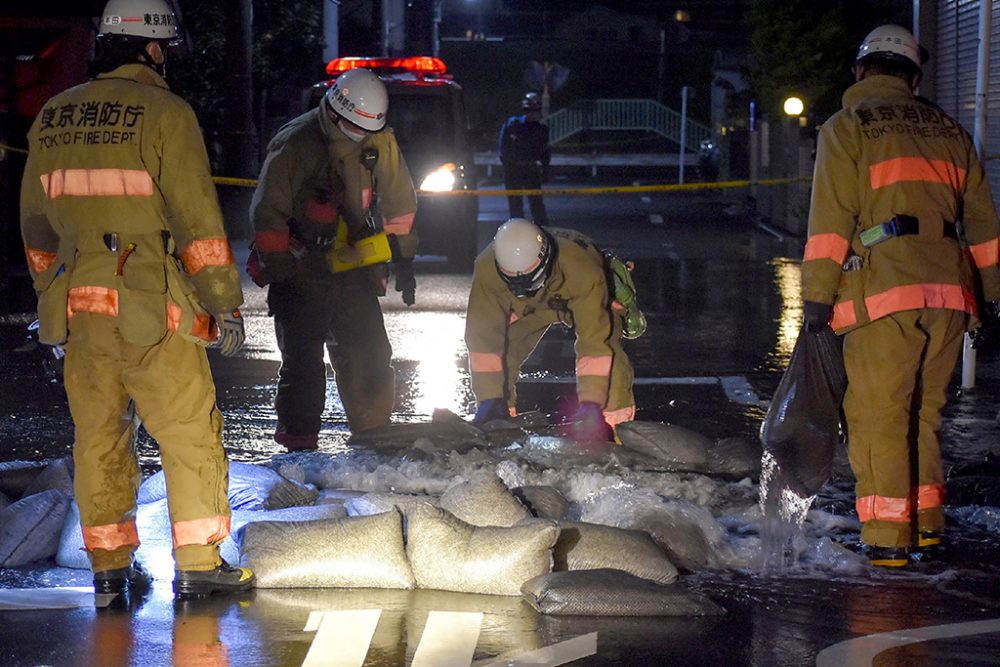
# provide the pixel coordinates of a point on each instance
(418, 65)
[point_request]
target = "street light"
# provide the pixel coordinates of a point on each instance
(793, 106)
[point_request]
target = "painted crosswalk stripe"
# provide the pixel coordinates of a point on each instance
(342, 637)
(449, 639)
(551, 656)
(66, 597)
(861, 652)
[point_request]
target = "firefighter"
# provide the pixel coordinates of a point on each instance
(528, 279)
(334, 181)
(525, 156)
(135, 276)
(901, 223)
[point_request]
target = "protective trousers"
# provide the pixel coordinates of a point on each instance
(522, 337)
(525, 176)
(341, 312)
(898, 370)
(171, 386)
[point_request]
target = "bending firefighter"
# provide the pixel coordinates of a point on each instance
(135, 277)
(334, 203)
(528, 279)
(902, 233)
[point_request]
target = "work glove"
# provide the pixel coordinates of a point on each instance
(588, 425)
(402, 267)
(989, 329)
(816, 315)
(231, 333)
(490, 409)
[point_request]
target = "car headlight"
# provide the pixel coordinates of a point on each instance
(441, 179)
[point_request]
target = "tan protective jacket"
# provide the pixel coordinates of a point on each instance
(888, 153)
(119, 214)
(312, 177)
(577, 295)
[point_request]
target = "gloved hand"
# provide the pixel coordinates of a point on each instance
(406, 281)
(231, 333)
(816, 315)
(588, 425)
(989, 329)
(490, 409)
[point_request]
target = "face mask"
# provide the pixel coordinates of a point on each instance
(355, 134)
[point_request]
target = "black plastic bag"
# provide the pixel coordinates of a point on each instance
(802, 426)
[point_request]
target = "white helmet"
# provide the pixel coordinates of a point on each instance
(359, 97)
(894, 42)
(148, 19)
(523, 255)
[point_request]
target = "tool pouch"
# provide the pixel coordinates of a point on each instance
(142, 288)
(52, 287)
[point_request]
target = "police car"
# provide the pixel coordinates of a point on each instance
(427, 113)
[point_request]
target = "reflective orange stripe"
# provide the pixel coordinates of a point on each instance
(97, 183)
(485, 362)
(110, 536)
(324, 213)
(986, 254)
(619, 416)
(925, 295)
(930, 496)
(594, 366)
(901, 169)
(91, 299)
(843, 315)
(272, 241)
(210, 530)
(366, 197)
(206, 252)
(204, 326)
(39, 260)
(401, 224)
(883, 508)
(827, 246)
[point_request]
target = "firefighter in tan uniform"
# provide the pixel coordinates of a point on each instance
(901, 223)
(135, 276)
(528, 279)
(334, 181)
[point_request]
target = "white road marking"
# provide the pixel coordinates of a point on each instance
(861, 652)
(737, 388)
(70, 597)
(449, 639)
(342, 637)
(557, 654)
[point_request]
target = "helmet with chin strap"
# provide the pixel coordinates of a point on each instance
(892, 43)
(359, 97)
(523, 252)
(143, 19)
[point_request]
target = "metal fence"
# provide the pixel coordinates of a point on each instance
(644, 115)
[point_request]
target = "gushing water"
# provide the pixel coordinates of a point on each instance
(781, 536)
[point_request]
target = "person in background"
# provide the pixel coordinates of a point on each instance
(135, 276)
(902, 242)
(525, 156)
(333, 204)
(526, 280)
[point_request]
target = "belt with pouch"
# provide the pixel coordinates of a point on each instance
(902, 225)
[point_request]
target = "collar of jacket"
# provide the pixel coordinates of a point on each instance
(136, 72)
(878, 85)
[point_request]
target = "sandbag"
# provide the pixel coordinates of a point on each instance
(591, 546)
(802, 426)
(544, 502)
(251, 487)
(449, 554)
(16, 476)
(378, 503)
(71, 552)
(4, 501)
(607, 592)
(356, 552)
(688, 534)
(30, 528)
(679, 449)
(57, 475)
(483, 500)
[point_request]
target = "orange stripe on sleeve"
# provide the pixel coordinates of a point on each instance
(827, 246)
(594, 366)
(206, 252)
(896, 170)
(39, 260)
(400, 225)
(485, 362)
(986, 253)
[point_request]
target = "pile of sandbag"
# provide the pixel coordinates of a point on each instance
(34, 502)
(477, 537)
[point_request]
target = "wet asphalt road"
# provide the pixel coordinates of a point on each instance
(722, 301)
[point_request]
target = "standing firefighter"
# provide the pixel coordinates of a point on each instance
(901, 221)
(135, 276)
(334, 203)
(524, 154)
(528, 279)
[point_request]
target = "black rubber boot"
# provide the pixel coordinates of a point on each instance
(223, 579)
(131, 579)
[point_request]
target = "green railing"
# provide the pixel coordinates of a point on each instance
(643, 115)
